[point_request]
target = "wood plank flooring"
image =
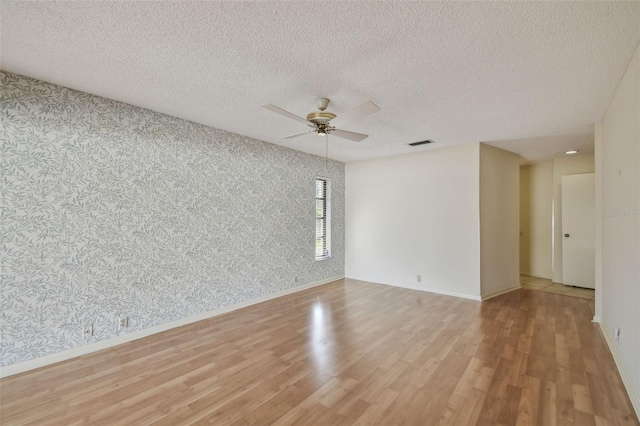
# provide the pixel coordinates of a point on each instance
(346, 353)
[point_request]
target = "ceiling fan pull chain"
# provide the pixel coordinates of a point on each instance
(326, 150)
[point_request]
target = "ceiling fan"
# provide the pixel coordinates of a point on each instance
(324, 123)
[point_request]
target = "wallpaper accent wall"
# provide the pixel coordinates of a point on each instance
(110, 210)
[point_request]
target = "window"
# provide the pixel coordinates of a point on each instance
(323, 219)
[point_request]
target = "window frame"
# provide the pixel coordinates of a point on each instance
(326, 229)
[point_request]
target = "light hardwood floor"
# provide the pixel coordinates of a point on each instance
(345, 353)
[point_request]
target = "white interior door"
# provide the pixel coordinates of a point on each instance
(578, 230)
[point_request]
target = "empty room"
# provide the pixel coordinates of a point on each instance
(319, 213)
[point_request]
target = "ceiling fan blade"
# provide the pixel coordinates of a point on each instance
(355, 114)
(353, 136)
(295, 135)
(285, 113)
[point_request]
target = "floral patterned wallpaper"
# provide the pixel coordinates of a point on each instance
(112, 210)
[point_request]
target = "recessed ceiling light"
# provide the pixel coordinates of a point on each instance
(573, 151)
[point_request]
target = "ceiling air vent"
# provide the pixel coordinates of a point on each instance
(421, 142)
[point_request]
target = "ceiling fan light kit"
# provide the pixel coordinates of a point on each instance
(321, 119)
(324, 123)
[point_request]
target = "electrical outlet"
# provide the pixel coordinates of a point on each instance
(87, 329)
(419, 278)
(123, 322)
(616, 334)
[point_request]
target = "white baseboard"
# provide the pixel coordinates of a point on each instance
(501, 291)
(626, 379)
(426, 289)
(32, 364)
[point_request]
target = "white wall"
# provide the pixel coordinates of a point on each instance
(568, 165)
(597, 142)
(525, 265)
(415, 214)
(620, 197)
(536, 192)
(499, 207)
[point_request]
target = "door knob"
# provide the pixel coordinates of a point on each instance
(566, 235)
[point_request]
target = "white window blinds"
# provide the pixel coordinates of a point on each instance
(323, 219)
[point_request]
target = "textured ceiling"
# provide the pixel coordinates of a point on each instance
(454, 72)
